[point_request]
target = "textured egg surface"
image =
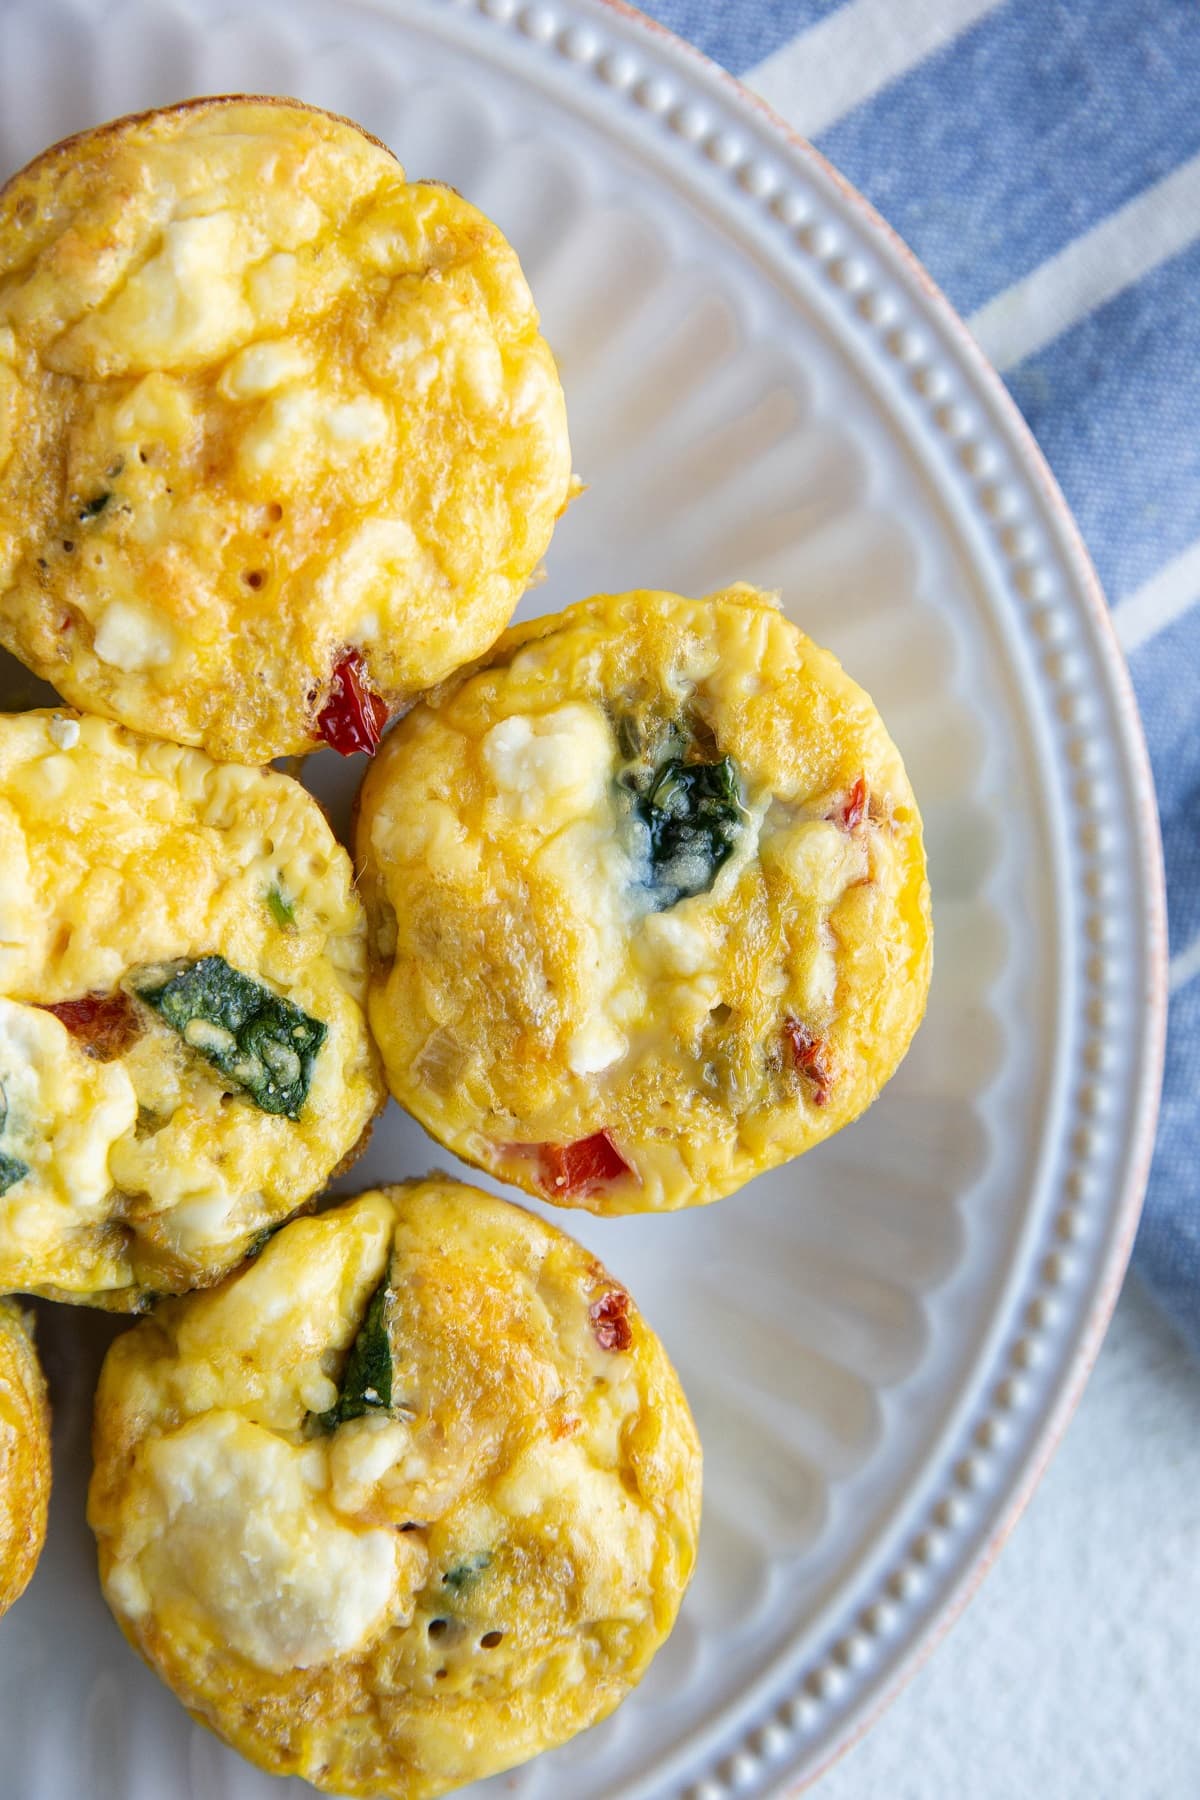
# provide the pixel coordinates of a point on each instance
(265, 406)
(24, 1453)
(411, 1497)
(647, 901)
(152, 1125)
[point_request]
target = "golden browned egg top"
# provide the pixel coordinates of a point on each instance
(264, 404)
(184, 1056)
(410, 1498)
(647, 899)
(24, 1453)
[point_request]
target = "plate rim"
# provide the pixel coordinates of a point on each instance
(1097, 1311)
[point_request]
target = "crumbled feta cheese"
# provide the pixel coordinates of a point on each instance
(64, 732)
(129, 638)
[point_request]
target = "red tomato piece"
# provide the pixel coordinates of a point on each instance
(354, 715)
(808, 1055)
(610, 1322)
(854, 808)
(581, 1167)
(105, 1024)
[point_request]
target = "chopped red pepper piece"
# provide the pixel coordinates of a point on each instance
(854, 808)
(808, 1053)
(581, 1167)
(354, 715)
(610, 1322)
(105, 1024)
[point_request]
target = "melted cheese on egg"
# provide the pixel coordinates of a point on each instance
(262, 400)
(420, 1597)
(527, 990)
(145, 1171)
(24, 1453)
(243, 1537)
(64, 1114)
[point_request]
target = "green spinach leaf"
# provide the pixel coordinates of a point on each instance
(12, 1169)
(693, 817)
(367, 1376)
(282, 910)
(258, 1041)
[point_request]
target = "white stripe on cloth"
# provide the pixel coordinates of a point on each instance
(1111, 256)
(1184, 967)
(1160, 601)
(837, 64)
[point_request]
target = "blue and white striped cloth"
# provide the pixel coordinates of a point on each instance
(1042, 157)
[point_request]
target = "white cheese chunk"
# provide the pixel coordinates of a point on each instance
(261, 368)
(281, 431)
(64, 1114)
(675, 943)
(821, 858)
(551, 767)
(361, 421)
(196, 1223)
(246, 1540)
(361, 1453)
(595, 1046)
(130, 638)
(185, 305)
(64, 732)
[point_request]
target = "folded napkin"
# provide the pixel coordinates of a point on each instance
(1042, 157)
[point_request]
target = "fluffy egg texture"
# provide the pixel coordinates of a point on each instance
(24, 1453)
(412, 1497)
(184, 1056)
(647, 900)
(278, 433)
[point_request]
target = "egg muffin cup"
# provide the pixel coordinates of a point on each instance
(24, 1453)
(647, 902)
(408, 1499)
(184, 1056)
(280, 442)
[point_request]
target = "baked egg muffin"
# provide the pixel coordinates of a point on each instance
(647, 902)
(24, 1453)
(408, 1499)
(280, 442)
(184, 1055)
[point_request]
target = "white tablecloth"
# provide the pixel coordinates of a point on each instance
(1074, 1674)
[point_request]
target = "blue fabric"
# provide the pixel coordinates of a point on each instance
(1115, 404)
(1174, 744)
(1026, 127)
(1026, 130)
(738, 33)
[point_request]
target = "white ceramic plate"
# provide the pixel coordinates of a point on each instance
(882, 1341)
